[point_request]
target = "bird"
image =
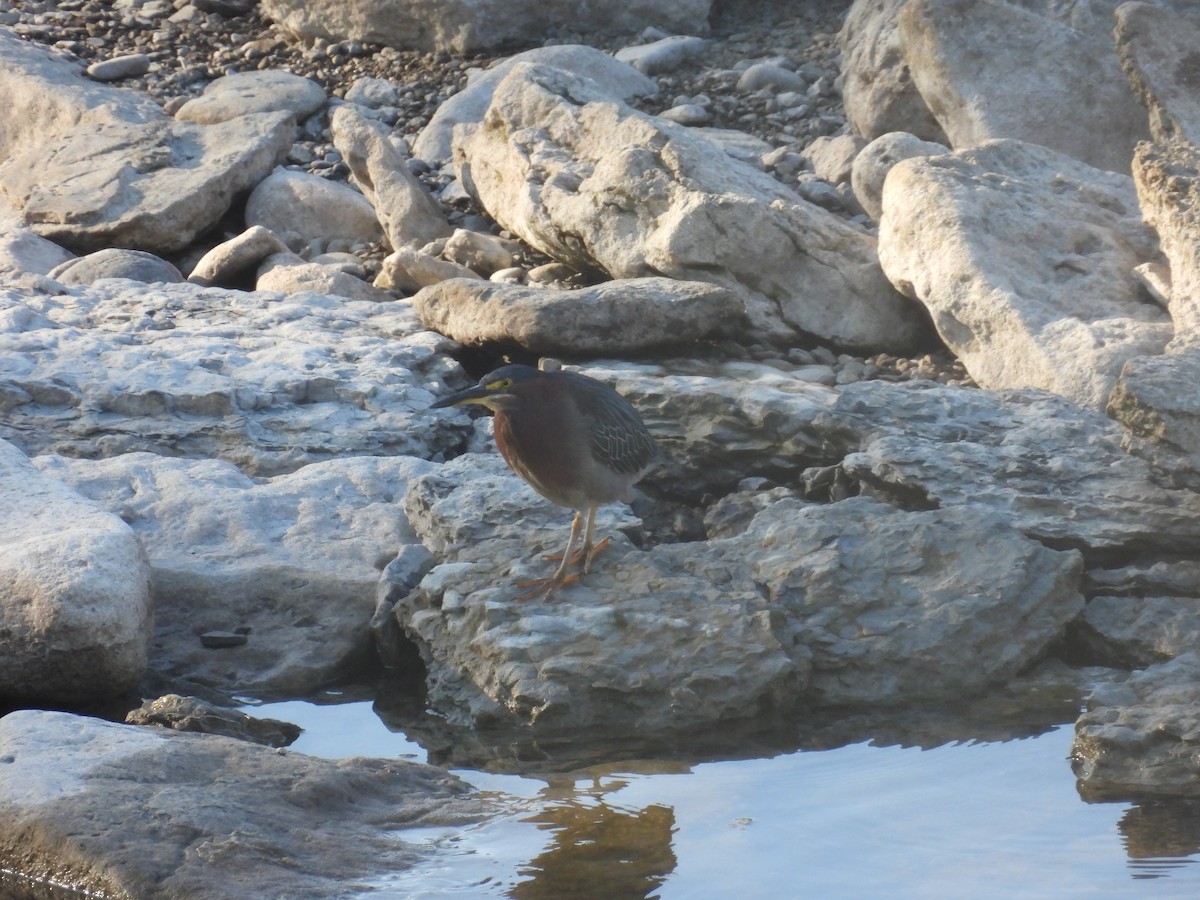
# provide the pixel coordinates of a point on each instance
(573, 439)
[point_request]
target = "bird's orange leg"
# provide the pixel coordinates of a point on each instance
(544, 587)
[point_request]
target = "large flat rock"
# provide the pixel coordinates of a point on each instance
(162, 815)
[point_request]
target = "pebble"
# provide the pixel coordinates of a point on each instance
(687, 114)
(131, 65)
(760, 76)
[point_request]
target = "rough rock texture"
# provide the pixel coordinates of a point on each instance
(1134, 632)
(236, 259)
(82, 800)
(380, 170)
(874, 161)
(269, 383)
(1141, 739)
(464, 25)
(243, 93)
(311, 207)
(189, 714)
(302, 278)
(991, 69)
(1158, 51)
(105, 168)
(621, 80)
(292, 562)
(614, 317)
(597, 185)
(851, 603)
(135, 265)
(22, 251)
(1024, 258)
(75, 605)
(877, 86)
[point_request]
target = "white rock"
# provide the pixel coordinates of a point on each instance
(664, 55)
(266, 381)
(1024, 258)
(294, 560)
(241, 93)
(620, 80)
(312, 207)
(616, 317)
(463, 26)
(379, 167)
(546, 162)
(75, 607)
(875, 160)
(877, 87)
(990, 69)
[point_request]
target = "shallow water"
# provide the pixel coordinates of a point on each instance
(991, 816)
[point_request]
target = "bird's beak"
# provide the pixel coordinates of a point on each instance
(477, 394)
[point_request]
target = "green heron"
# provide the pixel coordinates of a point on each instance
(575, 440)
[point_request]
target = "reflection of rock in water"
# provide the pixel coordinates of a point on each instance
(600, 851)
(1161, 829)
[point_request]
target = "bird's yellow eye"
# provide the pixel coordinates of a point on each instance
(500, 384)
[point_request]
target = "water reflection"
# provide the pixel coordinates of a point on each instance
(1160, 835)
(599, 849)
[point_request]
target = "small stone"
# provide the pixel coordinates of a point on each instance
(131, 65)
(219, 640)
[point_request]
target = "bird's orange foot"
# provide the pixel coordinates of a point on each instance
(543, 587)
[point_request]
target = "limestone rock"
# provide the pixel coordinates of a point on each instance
(482, 253)
(164, 805)
(236, 259)
(22, 251)
(599, 186)
(1167, 177)
(832, 158)
(1135, 632)
(312, 207)
(619, 80)
(136, 265)
(190, 714)
(408, 270)
(379, 168)
(616, 317)
(663, 55)
(268, 382)
(1140, 739)
(852, 603)
(463, 26)
(302, 277)
(990, 69)
(242, 93)
(877, 87)
(1024, 257)
(1158, 52)
(292, 561)
(76, 613)
(874, 161)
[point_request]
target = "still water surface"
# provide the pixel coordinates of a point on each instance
(977, 818)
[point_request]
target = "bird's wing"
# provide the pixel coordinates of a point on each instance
(619, 437)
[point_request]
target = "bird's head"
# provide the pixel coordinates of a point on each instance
(496, 390)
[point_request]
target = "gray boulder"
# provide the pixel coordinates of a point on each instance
(1156, 47)
(877, 86)
(851, 603)
(291, 562)
(1139, 739)
(553, 150)
(105, 168)
(173, 815)
(75, 606)
(136, 265)
(236, 259)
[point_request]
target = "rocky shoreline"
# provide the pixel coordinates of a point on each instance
(925, 411)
